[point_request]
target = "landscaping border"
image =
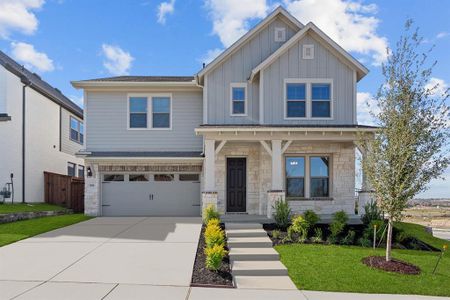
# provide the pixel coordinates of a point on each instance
(19, 216)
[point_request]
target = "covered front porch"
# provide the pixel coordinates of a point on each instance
(248, 168)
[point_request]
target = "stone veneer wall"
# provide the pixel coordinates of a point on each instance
(259, 168)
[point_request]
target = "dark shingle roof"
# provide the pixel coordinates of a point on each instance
(143, 79)
(173, 154)
(39, 85)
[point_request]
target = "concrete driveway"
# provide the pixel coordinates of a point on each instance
(103, 258)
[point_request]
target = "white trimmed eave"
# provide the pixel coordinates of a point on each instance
(284, 133)
(145, 159)
(121, 84)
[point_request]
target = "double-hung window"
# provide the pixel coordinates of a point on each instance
(295, 176)
(319, 174)
(80, 171)
(295, 100)
(71, 169)
(76, 130)
(149, 112)
(320, 100)
(238, 99)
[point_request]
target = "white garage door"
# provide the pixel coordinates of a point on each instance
(151, 194)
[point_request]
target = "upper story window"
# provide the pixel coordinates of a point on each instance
(149, 112)
(321, 100)
(296, 100)
(238, 99)
(308, 98)
(280, 34)
(138, 112)
(308, 52)
(76, 130)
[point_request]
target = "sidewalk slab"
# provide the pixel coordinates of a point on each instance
(67, 291)
(10, 289)
(145, 292)
(244, 294)
(262, 282)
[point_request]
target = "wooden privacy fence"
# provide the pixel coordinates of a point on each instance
(64, 190)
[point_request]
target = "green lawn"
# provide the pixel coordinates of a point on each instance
(339, 268)
(13, 232)
(28, 207)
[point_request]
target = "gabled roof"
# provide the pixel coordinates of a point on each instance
(39, 85)
(230, 50)
(361, 70)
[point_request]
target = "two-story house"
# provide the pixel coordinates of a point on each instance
(40, 130)
(272, 117)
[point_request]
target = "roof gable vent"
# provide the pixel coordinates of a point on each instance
(280, 34)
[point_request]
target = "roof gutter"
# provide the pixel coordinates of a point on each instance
(97, 84)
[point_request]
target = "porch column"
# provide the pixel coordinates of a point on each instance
(276, 193)
(366, 194)
(209, 194)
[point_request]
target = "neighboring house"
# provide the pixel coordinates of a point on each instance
(273, 116)
(40, 130)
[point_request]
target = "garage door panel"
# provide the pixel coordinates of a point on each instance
(171, 198)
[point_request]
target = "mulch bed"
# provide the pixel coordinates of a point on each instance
(397, 266)
(206, 278)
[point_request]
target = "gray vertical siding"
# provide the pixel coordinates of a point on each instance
(324, 65)
(67, 145)
(107, 124)
(237, 68)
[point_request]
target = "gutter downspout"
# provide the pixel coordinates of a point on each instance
(26, 83)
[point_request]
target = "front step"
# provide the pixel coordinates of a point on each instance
(243, 226)
(249, 242)
(258, 268)
(253, 254)
(246, 233)
(262, 282)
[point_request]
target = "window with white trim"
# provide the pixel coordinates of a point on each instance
(320, 100)
(151, 111)
(280, 34)
(295, 100)
(80, 171)
(71, 169)
(308, 52)
(238, 99)
(76, 130)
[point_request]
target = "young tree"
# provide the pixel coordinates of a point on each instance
(408, 149)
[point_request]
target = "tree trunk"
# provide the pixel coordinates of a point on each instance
(389, 240)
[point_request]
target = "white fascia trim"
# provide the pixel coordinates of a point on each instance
(362, 70)
(145, 158)
(99, 84)
(284, 129)
(248, 35)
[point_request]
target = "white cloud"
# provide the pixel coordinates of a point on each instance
(438, 87)
(231, 17)
(351, 24)
(210, 55)
(32, 59)
(18, 15)
(442, 34)
(165, 8)
(117, 61)
(366, 105)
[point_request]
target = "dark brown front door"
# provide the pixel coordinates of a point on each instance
(236, 184)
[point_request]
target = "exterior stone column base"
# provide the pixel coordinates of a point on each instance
(209, 198)
(272, 198)
(92, 192)
(364, 197)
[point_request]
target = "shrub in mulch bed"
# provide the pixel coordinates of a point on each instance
(394, 265)
(203, 277)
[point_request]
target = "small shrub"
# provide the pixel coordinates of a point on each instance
(364, 241)
(300, 227)
(210, 212)
(370, 229)
(311, 218)
(213, 222)
(282, 213)
(371, 213)
(214, 257)
(318, 235)
(349, 238)
(337, 226)
(276, 234)
(214, 235)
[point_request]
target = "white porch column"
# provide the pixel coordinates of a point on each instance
(366, 194)
(209, 194)
(277, 183)
(210, 166)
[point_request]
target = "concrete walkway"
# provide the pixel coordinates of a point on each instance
(125, 258)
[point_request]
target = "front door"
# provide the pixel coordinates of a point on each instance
(236, 184)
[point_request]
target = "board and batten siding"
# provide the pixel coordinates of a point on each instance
(324, 65)
(67, 145)
(237, 69)
(107, 124)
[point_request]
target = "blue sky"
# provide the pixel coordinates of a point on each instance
(64, 40)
